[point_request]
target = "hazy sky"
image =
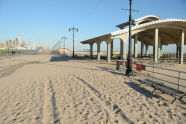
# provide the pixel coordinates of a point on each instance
(43, 22)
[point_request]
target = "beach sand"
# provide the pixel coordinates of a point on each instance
(44, 89)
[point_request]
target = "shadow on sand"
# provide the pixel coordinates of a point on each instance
(110, 70)
(60, 58)
(133, 85)
(141, 90)
(66, 58)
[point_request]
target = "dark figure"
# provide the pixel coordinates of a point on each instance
(13, 52)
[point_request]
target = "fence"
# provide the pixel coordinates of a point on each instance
(170, 77)
(163, 62)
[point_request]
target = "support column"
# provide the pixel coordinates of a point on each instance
(121, 48)
(112, 52)
(91, 50)
(142, 49)
(177, 50)
(146, 50)
(156, 45)
(159, 47)
(98, 51)
(136, 46)
(179, 47)
(108, 51)
(182, 46)
(124, 55)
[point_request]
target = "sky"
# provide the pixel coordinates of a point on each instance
(43, 22)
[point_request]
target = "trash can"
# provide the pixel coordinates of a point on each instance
(119, 63)
(138, 67)
(143, 67)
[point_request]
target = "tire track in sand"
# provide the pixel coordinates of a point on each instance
(113, 109)
(50, 112)
(12, 68)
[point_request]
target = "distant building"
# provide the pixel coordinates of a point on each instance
(2, 45)
(42, 49)
(64, 51)
(14, 44)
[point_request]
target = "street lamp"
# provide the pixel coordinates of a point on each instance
(129, 59)
(64, 38)
(73, 29)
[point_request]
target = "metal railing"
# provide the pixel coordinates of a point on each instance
(165, 76)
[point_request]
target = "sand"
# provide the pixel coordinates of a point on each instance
(43, 89)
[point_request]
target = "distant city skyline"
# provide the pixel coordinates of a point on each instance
(44, 22)
(17, 43)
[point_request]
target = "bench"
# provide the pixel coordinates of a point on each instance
(177, 94)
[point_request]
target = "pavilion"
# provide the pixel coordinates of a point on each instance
(150, 31)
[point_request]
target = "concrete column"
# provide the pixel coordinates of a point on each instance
(108, 51)
(146, 50)
(121, 48)
(177, 51)
(142, 49)
(179, 47)
(124, 53)
(112, 52)
(136, 46)
(91, 50)
(156, 45)
(159, 47)
(182, 46)
(98, 51)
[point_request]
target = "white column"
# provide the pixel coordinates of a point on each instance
(98, 51)
(124, 53)
(112, 52)
(146, 50)
(182, 47)
(136, 46)
(142, 49)
(91, 50)
(108, 51)
(121, 48)
(159, 47)
(177, 51)
(156, 45)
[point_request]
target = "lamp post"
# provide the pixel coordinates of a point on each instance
(129, 59)
(73, 29)
(64, 38)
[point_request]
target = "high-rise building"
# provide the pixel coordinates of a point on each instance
(15, 44)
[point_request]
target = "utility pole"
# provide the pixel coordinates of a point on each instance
(63, 39)
(129, 59)
(73, 29)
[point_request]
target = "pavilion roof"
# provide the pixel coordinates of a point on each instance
(145, 19)
(168, 27)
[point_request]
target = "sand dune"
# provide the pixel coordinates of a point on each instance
(36, 89)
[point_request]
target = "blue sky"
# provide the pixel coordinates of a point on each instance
(43, 22)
